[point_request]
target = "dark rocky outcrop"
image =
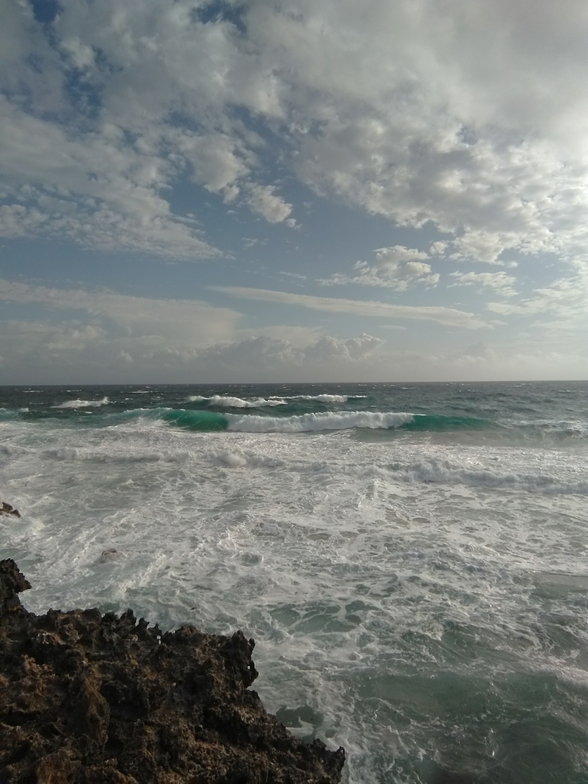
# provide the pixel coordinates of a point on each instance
(100, 699)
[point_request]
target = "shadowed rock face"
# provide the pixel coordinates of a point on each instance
(97, 699)
(8, 509)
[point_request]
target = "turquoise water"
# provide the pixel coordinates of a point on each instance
(544, 410)
(410, 559)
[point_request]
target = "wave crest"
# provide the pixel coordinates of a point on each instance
(308, 423)
(82, 403)
(226, 401)
(229, 401)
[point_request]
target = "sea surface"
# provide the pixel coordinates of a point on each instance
(411, 559)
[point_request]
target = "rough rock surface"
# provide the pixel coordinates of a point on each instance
(97, 699)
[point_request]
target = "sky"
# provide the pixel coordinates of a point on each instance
(310, 190)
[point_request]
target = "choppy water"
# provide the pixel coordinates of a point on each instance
(411, 559)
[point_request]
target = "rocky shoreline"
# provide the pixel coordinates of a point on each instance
(88, 698)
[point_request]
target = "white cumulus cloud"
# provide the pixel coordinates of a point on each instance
(468, 115)
(500, 282)
(396, 267)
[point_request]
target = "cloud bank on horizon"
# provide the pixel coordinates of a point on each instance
(385, 191)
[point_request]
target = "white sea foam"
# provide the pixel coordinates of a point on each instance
(226, 401)
(121, 454)
(308, 423)
(332, 399)
(83, 403)
(442, 472)
(577, 428)
(382, 580)
(239, 458)
(232, 459)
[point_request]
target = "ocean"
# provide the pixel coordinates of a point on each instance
(411, 559)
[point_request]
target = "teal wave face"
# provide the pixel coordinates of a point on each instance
(7, 414)
(206, 420)
(534, 413)
(441, 423)
(196, 420)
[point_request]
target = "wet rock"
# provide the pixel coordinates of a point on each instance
(8, 509)
(12, 582)
(109, 555)
(88, 698)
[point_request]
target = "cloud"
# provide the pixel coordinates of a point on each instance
(80, 334)
(499, 281)
(482, 245)
(293, 275)
(483, 361)
(263, 200)
(93, 190)
(42, 352)
(122, 317)
(352, 350)
(428, 124)
(94, 157)
(366, 358)
(476, 352)
(396, 267)
(467, 115)
(447, 316)
(566, 298)
(297, 335)
(268, 358)
(218, 160)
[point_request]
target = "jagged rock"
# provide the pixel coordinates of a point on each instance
(88, 698)
(109, 555)
(8, 509)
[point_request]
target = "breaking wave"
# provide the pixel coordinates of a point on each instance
(305, 423)
(226, 401)
(229, 401)
(440, 472)
(314, 422)
(83, 403)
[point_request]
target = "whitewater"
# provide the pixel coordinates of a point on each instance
(410, 559)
